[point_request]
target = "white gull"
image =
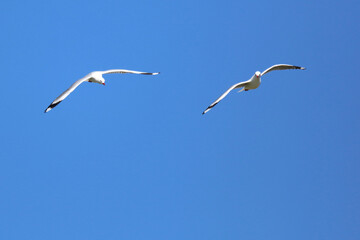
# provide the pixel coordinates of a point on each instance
(95, 77)
(253, 82)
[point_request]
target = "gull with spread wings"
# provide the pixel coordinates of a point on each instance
(253, 82)
(95, 77)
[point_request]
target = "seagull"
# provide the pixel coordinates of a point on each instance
(253, 82)
(95, 77)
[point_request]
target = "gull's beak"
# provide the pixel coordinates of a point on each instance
(103, 84)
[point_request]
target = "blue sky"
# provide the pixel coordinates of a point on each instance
(137, 160)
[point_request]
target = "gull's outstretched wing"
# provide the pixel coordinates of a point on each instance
(66, 93)
(127, 71)
(238, 85)
(281, 67)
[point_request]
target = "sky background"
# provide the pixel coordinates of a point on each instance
(137, 160)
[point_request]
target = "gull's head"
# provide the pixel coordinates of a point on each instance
(102, 81)
(98, 78)
(258, 74)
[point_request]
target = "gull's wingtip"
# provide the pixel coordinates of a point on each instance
(301, 68)
(51, 106)
(150, 73)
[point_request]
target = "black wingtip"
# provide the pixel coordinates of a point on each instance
(206, 110)
(301, 68)
(51, 106)
(151, 73)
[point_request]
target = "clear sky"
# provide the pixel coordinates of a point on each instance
(135, 159)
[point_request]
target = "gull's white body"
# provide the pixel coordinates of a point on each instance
(95, 77)
(253, 83)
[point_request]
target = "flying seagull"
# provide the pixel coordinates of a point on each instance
(95, 77)
(253, 82)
